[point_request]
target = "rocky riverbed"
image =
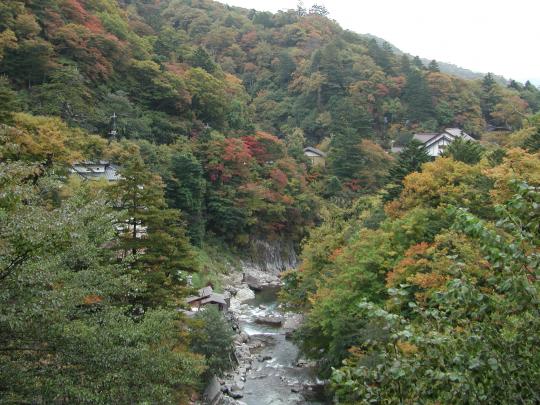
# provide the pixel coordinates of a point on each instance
(270, 371)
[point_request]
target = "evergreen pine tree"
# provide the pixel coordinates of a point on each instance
(465, 151)
(418, 97)
(418, 63)
(202, 59)
(490, 96)
(346, 157)
(433, 66)
(153, 234)
(410, 160)
(185, 191)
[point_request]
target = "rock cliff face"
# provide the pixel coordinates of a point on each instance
(271, 256)
(266, 260)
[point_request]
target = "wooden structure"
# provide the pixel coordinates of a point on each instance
(207, 296)
(316, 156)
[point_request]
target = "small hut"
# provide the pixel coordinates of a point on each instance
(207, 296)
(316, 156)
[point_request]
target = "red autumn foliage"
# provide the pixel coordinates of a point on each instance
(280, 179)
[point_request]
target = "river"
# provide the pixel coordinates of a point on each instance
(276, 377)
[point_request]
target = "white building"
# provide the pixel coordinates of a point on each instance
(101, 169)
(435, 143)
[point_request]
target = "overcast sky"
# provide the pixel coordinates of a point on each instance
(500, 36)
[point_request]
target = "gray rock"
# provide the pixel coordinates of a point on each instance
(244, 294)
(236, 394)
(212, 391)
(269, 320)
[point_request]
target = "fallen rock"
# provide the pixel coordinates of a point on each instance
(244, 294)
(236, 394)
(269, 320)
(293, 322)
(264, 358)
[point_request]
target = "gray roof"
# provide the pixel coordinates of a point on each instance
(206, 295)
(101, 169)
(425, 137)
(314, 150)
(205, 291)
(459, 132)
(214, 299)
(449, 133)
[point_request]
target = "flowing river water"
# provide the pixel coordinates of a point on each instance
(276, 376)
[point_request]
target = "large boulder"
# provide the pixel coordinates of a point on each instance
(270, 320)
(244, 294)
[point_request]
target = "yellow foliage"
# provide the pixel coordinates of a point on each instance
(444, 181)
(517, 165)
(406, 347)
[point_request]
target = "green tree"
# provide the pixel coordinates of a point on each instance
(201, 59)
(8, 103)
(434, 66)
(346, 158)
(212, 337)
(532, 143)
(186, 191)
(411, 159)
(465, 151)
(418, 97)
(64, 329)
(153, 234)
(469, 339)
(490, 95)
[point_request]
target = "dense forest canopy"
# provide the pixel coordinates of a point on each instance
(419, 276)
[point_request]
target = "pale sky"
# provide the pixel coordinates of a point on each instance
(499, 36)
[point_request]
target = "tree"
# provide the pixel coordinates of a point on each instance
(213, 337)
(410, 160)
(346, 157)
(8, 103)
(186, 190)
(65, 332)
(201, 59)
(532, 143)
(434, 66)
(452, 345)
(490, 95)
(465, 151)
(418, 97)
(295, 144)
(153, 234)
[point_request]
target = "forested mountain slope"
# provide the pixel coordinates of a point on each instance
(172, 67)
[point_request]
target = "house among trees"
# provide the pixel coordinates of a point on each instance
(207, 296)
(316, 156)
(101, 169)
(435, 143)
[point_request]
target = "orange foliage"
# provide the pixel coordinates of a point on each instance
(92, 299)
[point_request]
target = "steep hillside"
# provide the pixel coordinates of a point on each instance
(177, 66)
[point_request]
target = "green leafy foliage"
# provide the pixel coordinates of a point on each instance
(465, 151)
(65, 332)
(213, 337)
(437, 302)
